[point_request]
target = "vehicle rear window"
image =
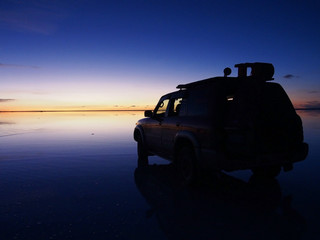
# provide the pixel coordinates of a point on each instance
(275, 102)
(207, 100)
(198, 102)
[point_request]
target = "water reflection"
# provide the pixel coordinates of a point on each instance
(65, 133)
(226, 208)
(70, 180)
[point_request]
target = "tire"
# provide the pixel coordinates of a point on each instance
(142, 152)
(267, 171)
(186, 164)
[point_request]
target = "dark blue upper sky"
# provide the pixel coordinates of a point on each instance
(76, 53)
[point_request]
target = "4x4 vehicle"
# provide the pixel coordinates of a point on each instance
(225, 123)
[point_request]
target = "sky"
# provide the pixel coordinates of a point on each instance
(125, 54)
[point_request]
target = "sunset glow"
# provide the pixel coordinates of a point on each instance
(102, 55)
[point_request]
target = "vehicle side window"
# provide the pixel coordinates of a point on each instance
(175, 107)
(162, 107)
(200, 99)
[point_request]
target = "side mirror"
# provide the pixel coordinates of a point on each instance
(148, 113)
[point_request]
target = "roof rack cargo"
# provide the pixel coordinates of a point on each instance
(259, 70)
(263, 71)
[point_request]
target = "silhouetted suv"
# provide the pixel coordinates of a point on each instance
(225, 123)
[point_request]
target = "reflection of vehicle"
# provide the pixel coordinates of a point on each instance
(225, 123)
(226, 208)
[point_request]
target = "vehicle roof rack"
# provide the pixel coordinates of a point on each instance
(259, 70)
(200, 82)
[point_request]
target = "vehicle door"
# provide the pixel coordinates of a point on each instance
(171, 124)
(153, 128)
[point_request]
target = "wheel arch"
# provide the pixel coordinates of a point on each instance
(138, 130)
(185, 138)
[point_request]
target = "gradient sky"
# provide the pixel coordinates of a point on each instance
(89, 54)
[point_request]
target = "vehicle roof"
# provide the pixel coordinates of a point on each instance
(222, 80)
(226, 81)
(260, 72)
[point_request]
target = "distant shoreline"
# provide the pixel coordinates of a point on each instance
(308, 109)
(138, 110)
(39, 111)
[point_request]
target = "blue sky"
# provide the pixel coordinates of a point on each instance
(125, 54)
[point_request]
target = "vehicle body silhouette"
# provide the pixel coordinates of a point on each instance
(225, 123)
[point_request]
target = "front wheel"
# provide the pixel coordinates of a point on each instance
(142, 152)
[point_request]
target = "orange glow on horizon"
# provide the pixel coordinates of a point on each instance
(10, 107)
(39, 108)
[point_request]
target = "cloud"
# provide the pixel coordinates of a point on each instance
(6, 100)
(314, 91)
(39, 92)
(311, 104)
(133, 106)
(289, 76)
(6, 123)
(26, 22)
(8, 65)
(31, 16)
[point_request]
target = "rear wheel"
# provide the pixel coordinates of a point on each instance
(267, 171)
(142, 152)
(186, 164)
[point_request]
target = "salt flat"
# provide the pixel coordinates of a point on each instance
(75, 176)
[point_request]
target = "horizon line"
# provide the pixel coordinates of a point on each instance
(110, 110)
(314, 108)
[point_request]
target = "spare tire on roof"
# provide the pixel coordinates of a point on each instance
(259, 70)
(264, 71)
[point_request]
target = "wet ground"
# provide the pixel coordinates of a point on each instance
(75, 176)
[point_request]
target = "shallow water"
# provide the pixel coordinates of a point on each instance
(75, 176)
